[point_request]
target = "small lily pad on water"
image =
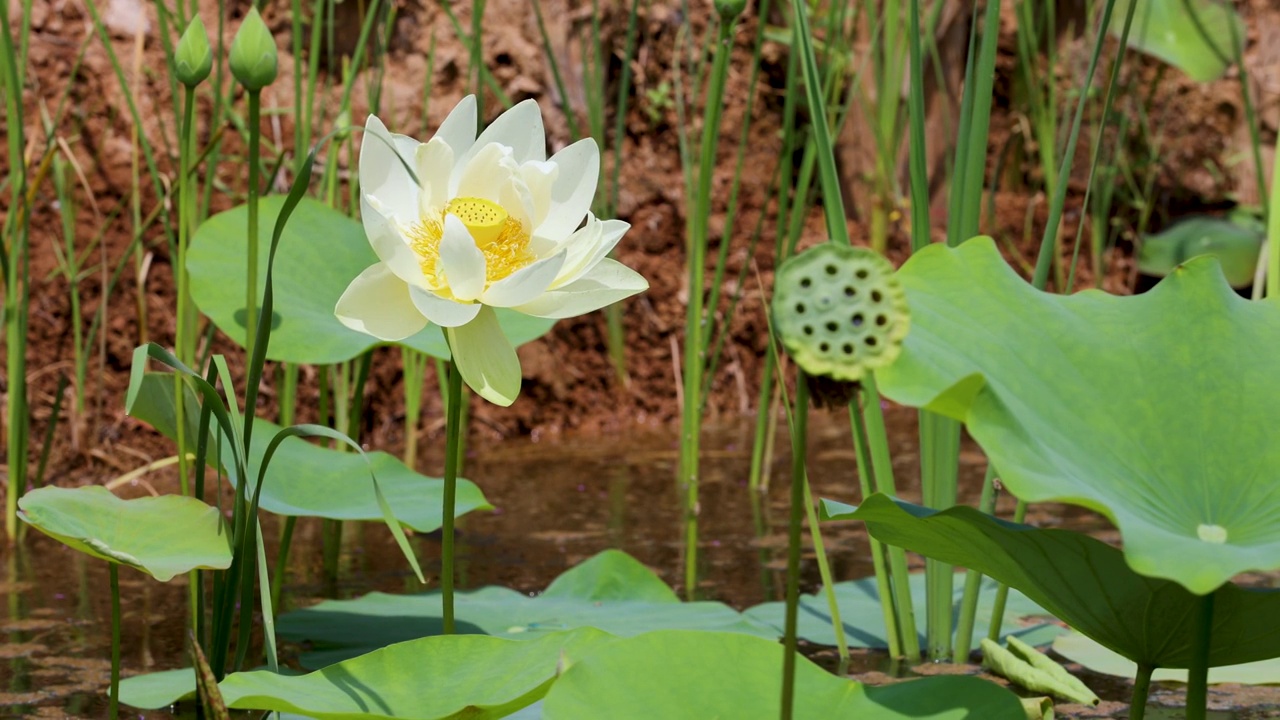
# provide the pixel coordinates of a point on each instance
(863, 618)
(161, 536)
(311, 481)
(475, 677)
(611, 592)
(309, 277)
(1156, 410)
(682, 675)
(1083, 581)
(1081, 649)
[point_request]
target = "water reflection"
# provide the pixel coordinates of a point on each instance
(556, 504)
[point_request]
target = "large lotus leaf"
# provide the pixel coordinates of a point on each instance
(1157, 410)
(863, 618)
(1195, 36)
(1235, 245)
(679, 675)
(321, 251)
(1083, 581)
(475, 677)
(610, 591)
(1081, 649)
(312, 481)
(162, 536)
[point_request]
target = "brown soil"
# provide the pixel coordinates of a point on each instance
(568, 380)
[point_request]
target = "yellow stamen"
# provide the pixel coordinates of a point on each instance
(503, 239)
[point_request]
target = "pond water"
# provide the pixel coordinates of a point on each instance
(557, 503)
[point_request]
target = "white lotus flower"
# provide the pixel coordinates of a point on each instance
(491, 223)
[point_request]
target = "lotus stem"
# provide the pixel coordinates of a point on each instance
(1198, 673)
(251, 268)
(453, 430)
(799, 431)
(114, 707)
(1141, 688)
(973, 581)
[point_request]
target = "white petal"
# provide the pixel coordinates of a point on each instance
(587, 253)
(606, 283)
(442, 311)
(459, 129)
(382, 171)
(574, 188)
(484, 356)
(434, 164)
(485, 173)
(462, 262)
(539, 177)
(389, 244)
(377, 303)
(524, 284)
(520, 129)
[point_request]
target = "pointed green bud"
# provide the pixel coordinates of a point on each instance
(253, 53)
(192, 60)
(729, 10)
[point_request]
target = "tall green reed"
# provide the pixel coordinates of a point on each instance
(16, 269)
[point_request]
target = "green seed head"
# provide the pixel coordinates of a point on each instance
(253, 53)
(840, 311)
(729, 10)
(192, 60)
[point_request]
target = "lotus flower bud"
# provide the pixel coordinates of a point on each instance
(192, 60)
(729, 10)
(253, 53)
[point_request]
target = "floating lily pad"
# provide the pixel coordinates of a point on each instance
(1081, 649)
(475, 677)
(863, 618)
(1157, 410)
(1196, 36)
(1235, 245)
(680, 674)
(161, 536)
(1083, 581)
(321, 251)
(312, 481)
(611, 592)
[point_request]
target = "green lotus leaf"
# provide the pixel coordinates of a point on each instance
(863, 618)
(1196, 36)
(1235, 246)
(158, 690)
(1084, 582)
(311, 481)
(1156, 410)
(610, 591)
(321, 251)
(471, 677)
(162, 536)
(1080, 649)
(679, 675)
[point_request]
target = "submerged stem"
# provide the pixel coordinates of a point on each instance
(453, 428)
(799, 432)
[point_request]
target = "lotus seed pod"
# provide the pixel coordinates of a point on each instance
(839, 311)
(253, 53)
(192, 59)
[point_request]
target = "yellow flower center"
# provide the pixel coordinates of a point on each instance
(503, 239)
